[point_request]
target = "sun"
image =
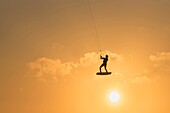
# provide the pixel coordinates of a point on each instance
(114, 97)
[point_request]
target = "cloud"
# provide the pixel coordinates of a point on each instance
(161, 64)
(57, 45)
(141, 79)
(89, 59)
(50, 69)
(93, 58)
(136, 79)
(114, 56)
(161, 59)
(46, 69)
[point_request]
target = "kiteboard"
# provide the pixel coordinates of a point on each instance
(103, 73)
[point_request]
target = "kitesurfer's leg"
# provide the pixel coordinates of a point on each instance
(105, 68)
(101, 68)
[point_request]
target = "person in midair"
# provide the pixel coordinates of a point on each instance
(105, 59)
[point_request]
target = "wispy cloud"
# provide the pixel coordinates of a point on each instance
(47, 69)
(161, 63)
(89, 59)
(161, 59)
(51, 69)
(93, 58)
(137, 79)
(141, 79)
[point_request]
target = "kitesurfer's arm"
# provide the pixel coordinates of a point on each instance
(101, 57)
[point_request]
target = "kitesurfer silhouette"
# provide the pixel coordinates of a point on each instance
(105, 59)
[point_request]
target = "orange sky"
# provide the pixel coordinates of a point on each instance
(49, 56)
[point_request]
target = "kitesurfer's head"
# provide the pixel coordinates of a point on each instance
(106, 56)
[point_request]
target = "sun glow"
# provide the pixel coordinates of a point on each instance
(114, 97)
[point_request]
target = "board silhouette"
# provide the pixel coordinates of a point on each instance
(103, 73)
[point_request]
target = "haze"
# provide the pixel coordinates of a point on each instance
(49, 56)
